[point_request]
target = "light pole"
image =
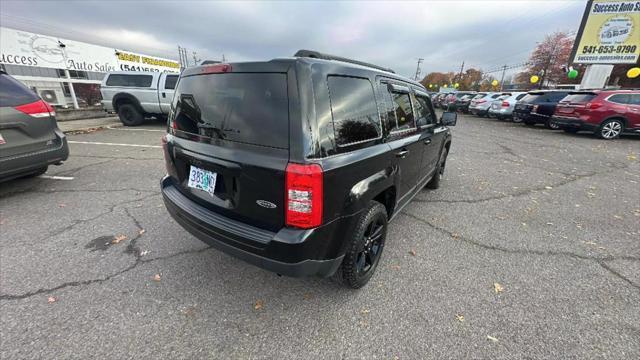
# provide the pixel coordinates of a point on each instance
(66, 73)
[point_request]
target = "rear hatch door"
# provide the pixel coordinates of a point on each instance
(236, 126)
(27, 123)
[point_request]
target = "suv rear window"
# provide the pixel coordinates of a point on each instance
(353, 105)
(13, 93)
(529, 98)
(579, 98)
(249, 108)
(129, 80)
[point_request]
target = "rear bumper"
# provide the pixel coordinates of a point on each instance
(291, 252)
(17, 165)
(573, 123)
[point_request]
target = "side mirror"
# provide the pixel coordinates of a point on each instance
(449, 118)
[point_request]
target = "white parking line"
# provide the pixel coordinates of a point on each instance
(130, 129)
(113, 144)
(57, 177)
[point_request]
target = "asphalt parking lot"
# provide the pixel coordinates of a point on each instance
(531, 249)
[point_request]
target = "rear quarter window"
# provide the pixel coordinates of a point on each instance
(133, 80)
(355, 113)
(249, 108)
(14, 93)
(579, 98)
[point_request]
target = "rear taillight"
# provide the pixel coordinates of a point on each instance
(303, 195)
(505, 104)
(481, 101)
(37, 109)
(593, 105)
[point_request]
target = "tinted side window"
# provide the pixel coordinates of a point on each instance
(400, 114)
(520, 96)
(423, 112)
(556, 97)
(13, 93)
(170, 82)
(635, 99)
(620, 99)
(129, 80)
(354, 110)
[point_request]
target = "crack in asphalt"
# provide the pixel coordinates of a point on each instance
(598, 260)
(572, 178)
(130, 249)
(99, 280)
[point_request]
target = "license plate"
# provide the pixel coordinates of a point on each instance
(2, 141)
(202, 179)
(566, 110)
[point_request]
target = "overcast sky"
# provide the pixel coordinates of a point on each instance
(484, 34)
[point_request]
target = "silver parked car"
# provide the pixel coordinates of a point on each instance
(480, 103)
(502, 107)
(30, 139)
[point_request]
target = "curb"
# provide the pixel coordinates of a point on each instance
(90, 129)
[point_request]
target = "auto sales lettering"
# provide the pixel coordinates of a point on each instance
(609, 33)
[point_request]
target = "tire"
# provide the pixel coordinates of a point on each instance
(129, 115)
(551, 125)
(365, 247)
(610, 129)
(434, 183)
(516, 119)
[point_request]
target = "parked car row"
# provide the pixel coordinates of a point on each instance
(606, 113)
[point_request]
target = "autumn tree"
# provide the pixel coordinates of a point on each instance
(548, 59)
(469, 79)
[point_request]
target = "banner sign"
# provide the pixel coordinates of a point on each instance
(28, 49)
(609, 33)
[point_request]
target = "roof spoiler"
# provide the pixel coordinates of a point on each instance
(319, 55)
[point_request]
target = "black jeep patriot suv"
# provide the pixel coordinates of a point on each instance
(297, 164)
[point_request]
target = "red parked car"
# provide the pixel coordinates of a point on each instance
(607, 113)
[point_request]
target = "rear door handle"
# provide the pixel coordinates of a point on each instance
(402, 154)
(427, 141)
(164, 95)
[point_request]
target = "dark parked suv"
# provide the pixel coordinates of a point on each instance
(30, 139)
(297, 164)
(537, 107)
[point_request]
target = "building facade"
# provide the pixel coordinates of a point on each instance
(56, 68)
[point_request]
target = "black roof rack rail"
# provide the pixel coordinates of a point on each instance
(319, 55)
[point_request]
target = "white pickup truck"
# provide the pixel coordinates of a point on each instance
(136, 95)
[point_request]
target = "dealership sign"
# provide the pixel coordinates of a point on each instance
(609, 33)
(28, 49)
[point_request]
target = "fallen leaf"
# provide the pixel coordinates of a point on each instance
(143, 253)
(617, 217)
(455, 236)
(549, 223)
(157, 277)
(142, 231)
(460, 317)
(61, 205)
(258, 305)
(492, 338)
(364, 311)
(51, 299)
(631, 157)
(498, 288)
(548, 187)
(119, 238)
(190, 310)
(412, 252)
(395, 267)
(307, 296)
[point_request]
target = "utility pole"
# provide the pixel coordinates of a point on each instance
(461, 70)
(195, 59)
(223, 59)
(504, 68)
(417, 77)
